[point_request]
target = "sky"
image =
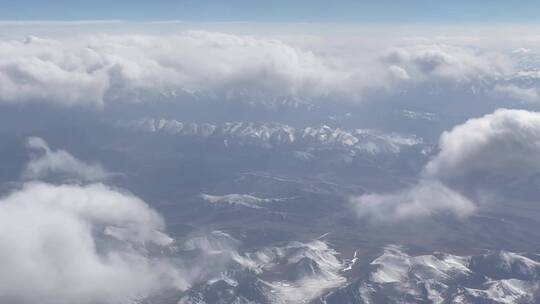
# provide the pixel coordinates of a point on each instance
(350, 11)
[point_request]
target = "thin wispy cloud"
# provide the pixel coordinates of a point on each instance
(58, 22)
(46, 162)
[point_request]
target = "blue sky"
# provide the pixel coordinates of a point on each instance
(360, 11)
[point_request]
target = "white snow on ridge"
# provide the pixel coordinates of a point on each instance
(396, 266)
(272, 134)
(494, 277)
(419, 115)
(245, 200)
(299, 272)
(316, 267)
(352, 262)
(508, 291)
(524, 264)
(307, 271)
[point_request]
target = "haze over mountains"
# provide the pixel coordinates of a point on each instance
(198, 166)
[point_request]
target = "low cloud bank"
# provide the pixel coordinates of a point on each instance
(95, 70)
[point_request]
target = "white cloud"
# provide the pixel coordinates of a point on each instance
(101, 68)
(94, 69)
(55, 246)
(399, 72)
(39, 70)
(48, 162)
(505, 143)
(448, 62)
(422, 200)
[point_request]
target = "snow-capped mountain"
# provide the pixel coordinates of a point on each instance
(397, 277)
(245, 200)
(295, 272)
(270, 135)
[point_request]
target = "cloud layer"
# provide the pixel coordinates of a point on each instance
(103, 68)
(96, 69)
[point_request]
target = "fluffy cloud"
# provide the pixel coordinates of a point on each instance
(96, 69)
(52, 71)
(48, 162)
(505, 143)
(80, 244)
(424, 199)
(446, 62)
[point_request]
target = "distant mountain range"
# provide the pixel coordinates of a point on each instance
(270, 135)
